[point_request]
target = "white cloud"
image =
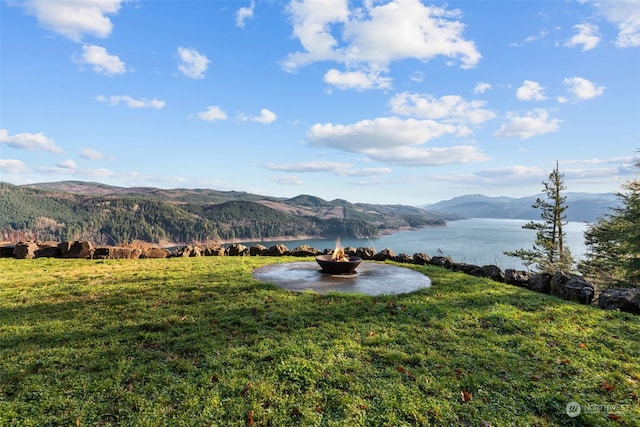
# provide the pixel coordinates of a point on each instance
(193, 64)
(131, 102)
(587, 37)
(265, 117)
(425, 156)
(516, 172)
(312, 22)
(244, 13)
(366, 172)
(287, 180)
(309, 167)
(449, 108)
(98, 173)
(482, 87)
(29, 141)
(64, 169)
(356, 80)
(367, 39)
(395, 141)
(212, 113)
(336, 168)
(542, 34)
(91, 154)
(530, 91)
(408, 29)
(417, 76)
(74, 18)
(100, 60)
(67, 164)
(626, 16)
(582, 88)
(621, 161)
(12, 166)
(380, 133)
(535, 122)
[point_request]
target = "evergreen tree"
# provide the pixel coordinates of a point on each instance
(613, 243)
(549, 252)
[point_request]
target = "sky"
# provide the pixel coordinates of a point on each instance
(385, 102)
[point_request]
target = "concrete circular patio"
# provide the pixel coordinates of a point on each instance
(371, 278)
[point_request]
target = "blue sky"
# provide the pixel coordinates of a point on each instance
(378, 101)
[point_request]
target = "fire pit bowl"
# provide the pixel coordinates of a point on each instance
(330, 266)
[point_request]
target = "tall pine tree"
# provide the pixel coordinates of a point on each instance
(549, 252)
(613, 243)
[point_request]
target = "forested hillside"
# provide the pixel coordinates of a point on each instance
(112, 215)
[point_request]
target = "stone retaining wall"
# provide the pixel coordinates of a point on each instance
(567, 286)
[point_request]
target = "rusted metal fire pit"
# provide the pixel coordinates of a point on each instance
(346, 266)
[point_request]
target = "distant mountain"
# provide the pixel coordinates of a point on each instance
(72, 210)
(580, 206)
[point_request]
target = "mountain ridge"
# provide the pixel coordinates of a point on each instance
(68, 210)
(586, 207)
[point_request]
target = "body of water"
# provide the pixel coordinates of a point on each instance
(478, 241)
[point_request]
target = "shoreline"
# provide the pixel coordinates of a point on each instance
(383, 233)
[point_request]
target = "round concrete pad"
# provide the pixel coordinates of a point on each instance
(371, 278)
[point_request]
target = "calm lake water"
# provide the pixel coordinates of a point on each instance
(478, 241)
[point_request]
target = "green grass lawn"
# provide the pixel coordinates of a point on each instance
(199, 342)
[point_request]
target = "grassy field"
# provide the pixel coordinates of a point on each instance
(199, 342)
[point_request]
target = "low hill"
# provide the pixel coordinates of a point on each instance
(72, 210)
(580, 206)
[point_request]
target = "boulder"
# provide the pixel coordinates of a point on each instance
(517, 277)
(236, 249)
(155, 253)
(257, 250)
(189, 251)
(350, 250)
(6, 251)
(384, 255)
(277, 250)
(78, 249)
(64, 247)
(404, 258)
(365, 253)
(421, 258)
(463, 267)
(441, 261)
(571, 287)
(540, 282)
(304, 251)
(48, 250)
(492, 272)
(25, 250)
(623, 299)
(214, 251)
(116, 252)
